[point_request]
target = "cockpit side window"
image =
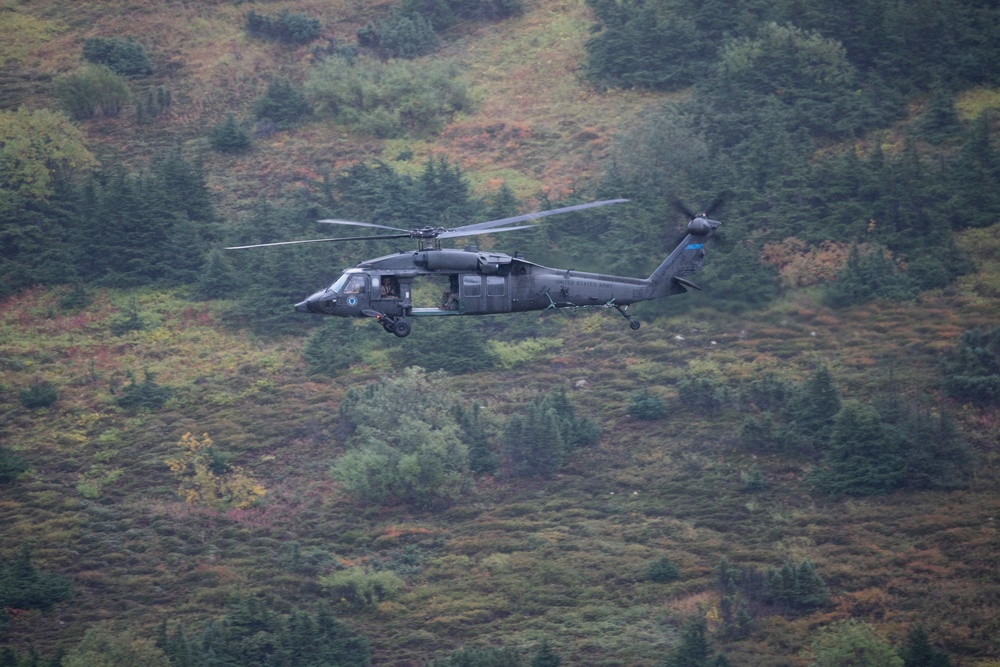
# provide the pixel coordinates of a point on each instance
(355, 285)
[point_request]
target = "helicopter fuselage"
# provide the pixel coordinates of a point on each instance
(481, 282)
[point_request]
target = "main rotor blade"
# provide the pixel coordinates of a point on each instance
(538, 214)
(344, 238)
(462, 231)
(688, 213)
(719, 201)
(360, 224)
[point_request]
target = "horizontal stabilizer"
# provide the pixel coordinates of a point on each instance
(684, 282)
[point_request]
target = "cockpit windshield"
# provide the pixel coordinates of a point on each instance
(339, 284)
(349, 283)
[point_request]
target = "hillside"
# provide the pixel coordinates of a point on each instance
(176, 458)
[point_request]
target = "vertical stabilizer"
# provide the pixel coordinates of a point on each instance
(670, 277)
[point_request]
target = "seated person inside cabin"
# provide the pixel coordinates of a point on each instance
(390, 287)
(449, 300)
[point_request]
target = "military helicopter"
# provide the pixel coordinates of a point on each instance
(486, 282)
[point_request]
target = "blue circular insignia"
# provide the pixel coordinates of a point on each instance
(352, 301)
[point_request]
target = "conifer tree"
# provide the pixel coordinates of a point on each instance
(693, 650)
(816, 403)
(918, 651)
(229, 137)
(482, 458)
(972, 367)
(975, 178)
(863, 457)
(534, 442)
(546, 656)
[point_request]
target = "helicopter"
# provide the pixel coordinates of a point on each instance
(487, 282)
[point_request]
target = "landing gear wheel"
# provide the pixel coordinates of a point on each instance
(401, 328)
(634, 325)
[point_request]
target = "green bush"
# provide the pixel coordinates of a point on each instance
(702, 392)
(405, 445)
(283, 103)
(39, 394)
(647, 406)
(972, 367)
(146, 394)
(852, 642)
(24, 586)
(359, 588)
(123, 55)
(229, 137)
(95, 90)
(480, 657)
(400, 36)
(662, 570)
(387, 98)
(11, 465)
(286, 27)
(869, 276)
(795, 587)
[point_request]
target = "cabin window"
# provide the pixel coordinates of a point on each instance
(389, 287)
(495, 285)
(472, 286)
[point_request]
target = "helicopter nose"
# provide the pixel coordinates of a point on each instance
(303, 307)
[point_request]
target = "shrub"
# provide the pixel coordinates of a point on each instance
(701, 392)
(852, 642)
(23, 586)
(647, 406)
(95, 90)
(282, 102)
(401, 36)
(868, 276)
(795, 587)
(39, 394)
(662, 570)
(123, 55)
(358, 588)
(286, 27)
(157, 101)
(480, 657)
(146, 394)
(229, 137)
(205, 478)
(104, 645)
(972, 367)
(11, 465)
(387, 98)
(753, 479)
(416, 457)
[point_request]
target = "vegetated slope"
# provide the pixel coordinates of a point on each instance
(517, 560)
(514, 561)
(533, 123)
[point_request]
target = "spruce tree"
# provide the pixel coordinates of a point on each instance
(546, 656)
(692, 651)
(864, 455)
(918, 651)
(229, 137)
(815, 404)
